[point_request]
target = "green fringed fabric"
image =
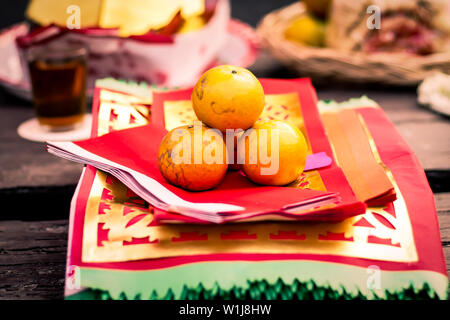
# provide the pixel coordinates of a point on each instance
(262, 290)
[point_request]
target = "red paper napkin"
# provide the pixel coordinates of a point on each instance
(131, 156)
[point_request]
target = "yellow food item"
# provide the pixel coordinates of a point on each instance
(307, 30)
(132, 17)
(136, 17)
(270, 163)
(193, 157)
(228, 97)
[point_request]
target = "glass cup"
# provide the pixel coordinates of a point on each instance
(58, 81)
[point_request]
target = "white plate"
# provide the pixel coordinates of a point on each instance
(32, 130)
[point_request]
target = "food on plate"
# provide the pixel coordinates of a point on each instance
(273, 152)
(413, 26)
(306, 30)
(228, 97)
(193, 157)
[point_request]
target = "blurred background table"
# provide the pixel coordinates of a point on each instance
(36, 187)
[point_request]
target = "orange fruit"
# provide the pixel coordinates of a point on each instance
(228, 97)
(273, 152)
(193, 157)
(307, 30)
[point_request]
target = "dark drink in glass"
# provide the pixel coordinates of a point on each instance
(58, 80)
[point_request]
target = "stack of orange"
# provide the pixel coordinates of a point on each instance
(229, 99)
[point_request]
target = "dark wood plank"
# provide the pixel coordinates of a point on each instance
(25, 163)
(443, 208)
(442, 201)
(429, 140)
(32, 259)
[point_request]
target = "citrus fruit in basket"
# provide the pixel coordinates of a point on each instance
(307, 30)
(193, 157)
(272, 152)
(228, 97)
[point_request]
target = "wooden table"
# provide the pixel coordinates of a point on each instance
(33, 230)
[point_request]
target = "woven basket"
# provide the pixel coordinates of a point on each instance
(331, 64)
